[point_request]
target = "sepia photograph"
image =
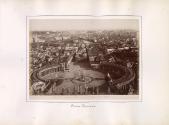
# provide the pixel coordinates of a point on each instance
(84, 62)
(83, 56)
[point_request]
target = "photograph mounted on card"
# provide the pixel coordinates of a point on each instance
(84, 58)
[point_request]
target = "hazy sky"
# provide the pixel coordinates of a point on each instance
(82, 24)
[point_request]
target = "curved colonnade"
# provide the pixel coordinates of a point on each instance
(122, 83)
(38, 74)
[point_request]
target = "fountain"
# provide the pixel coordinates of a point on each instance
(81, 78)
